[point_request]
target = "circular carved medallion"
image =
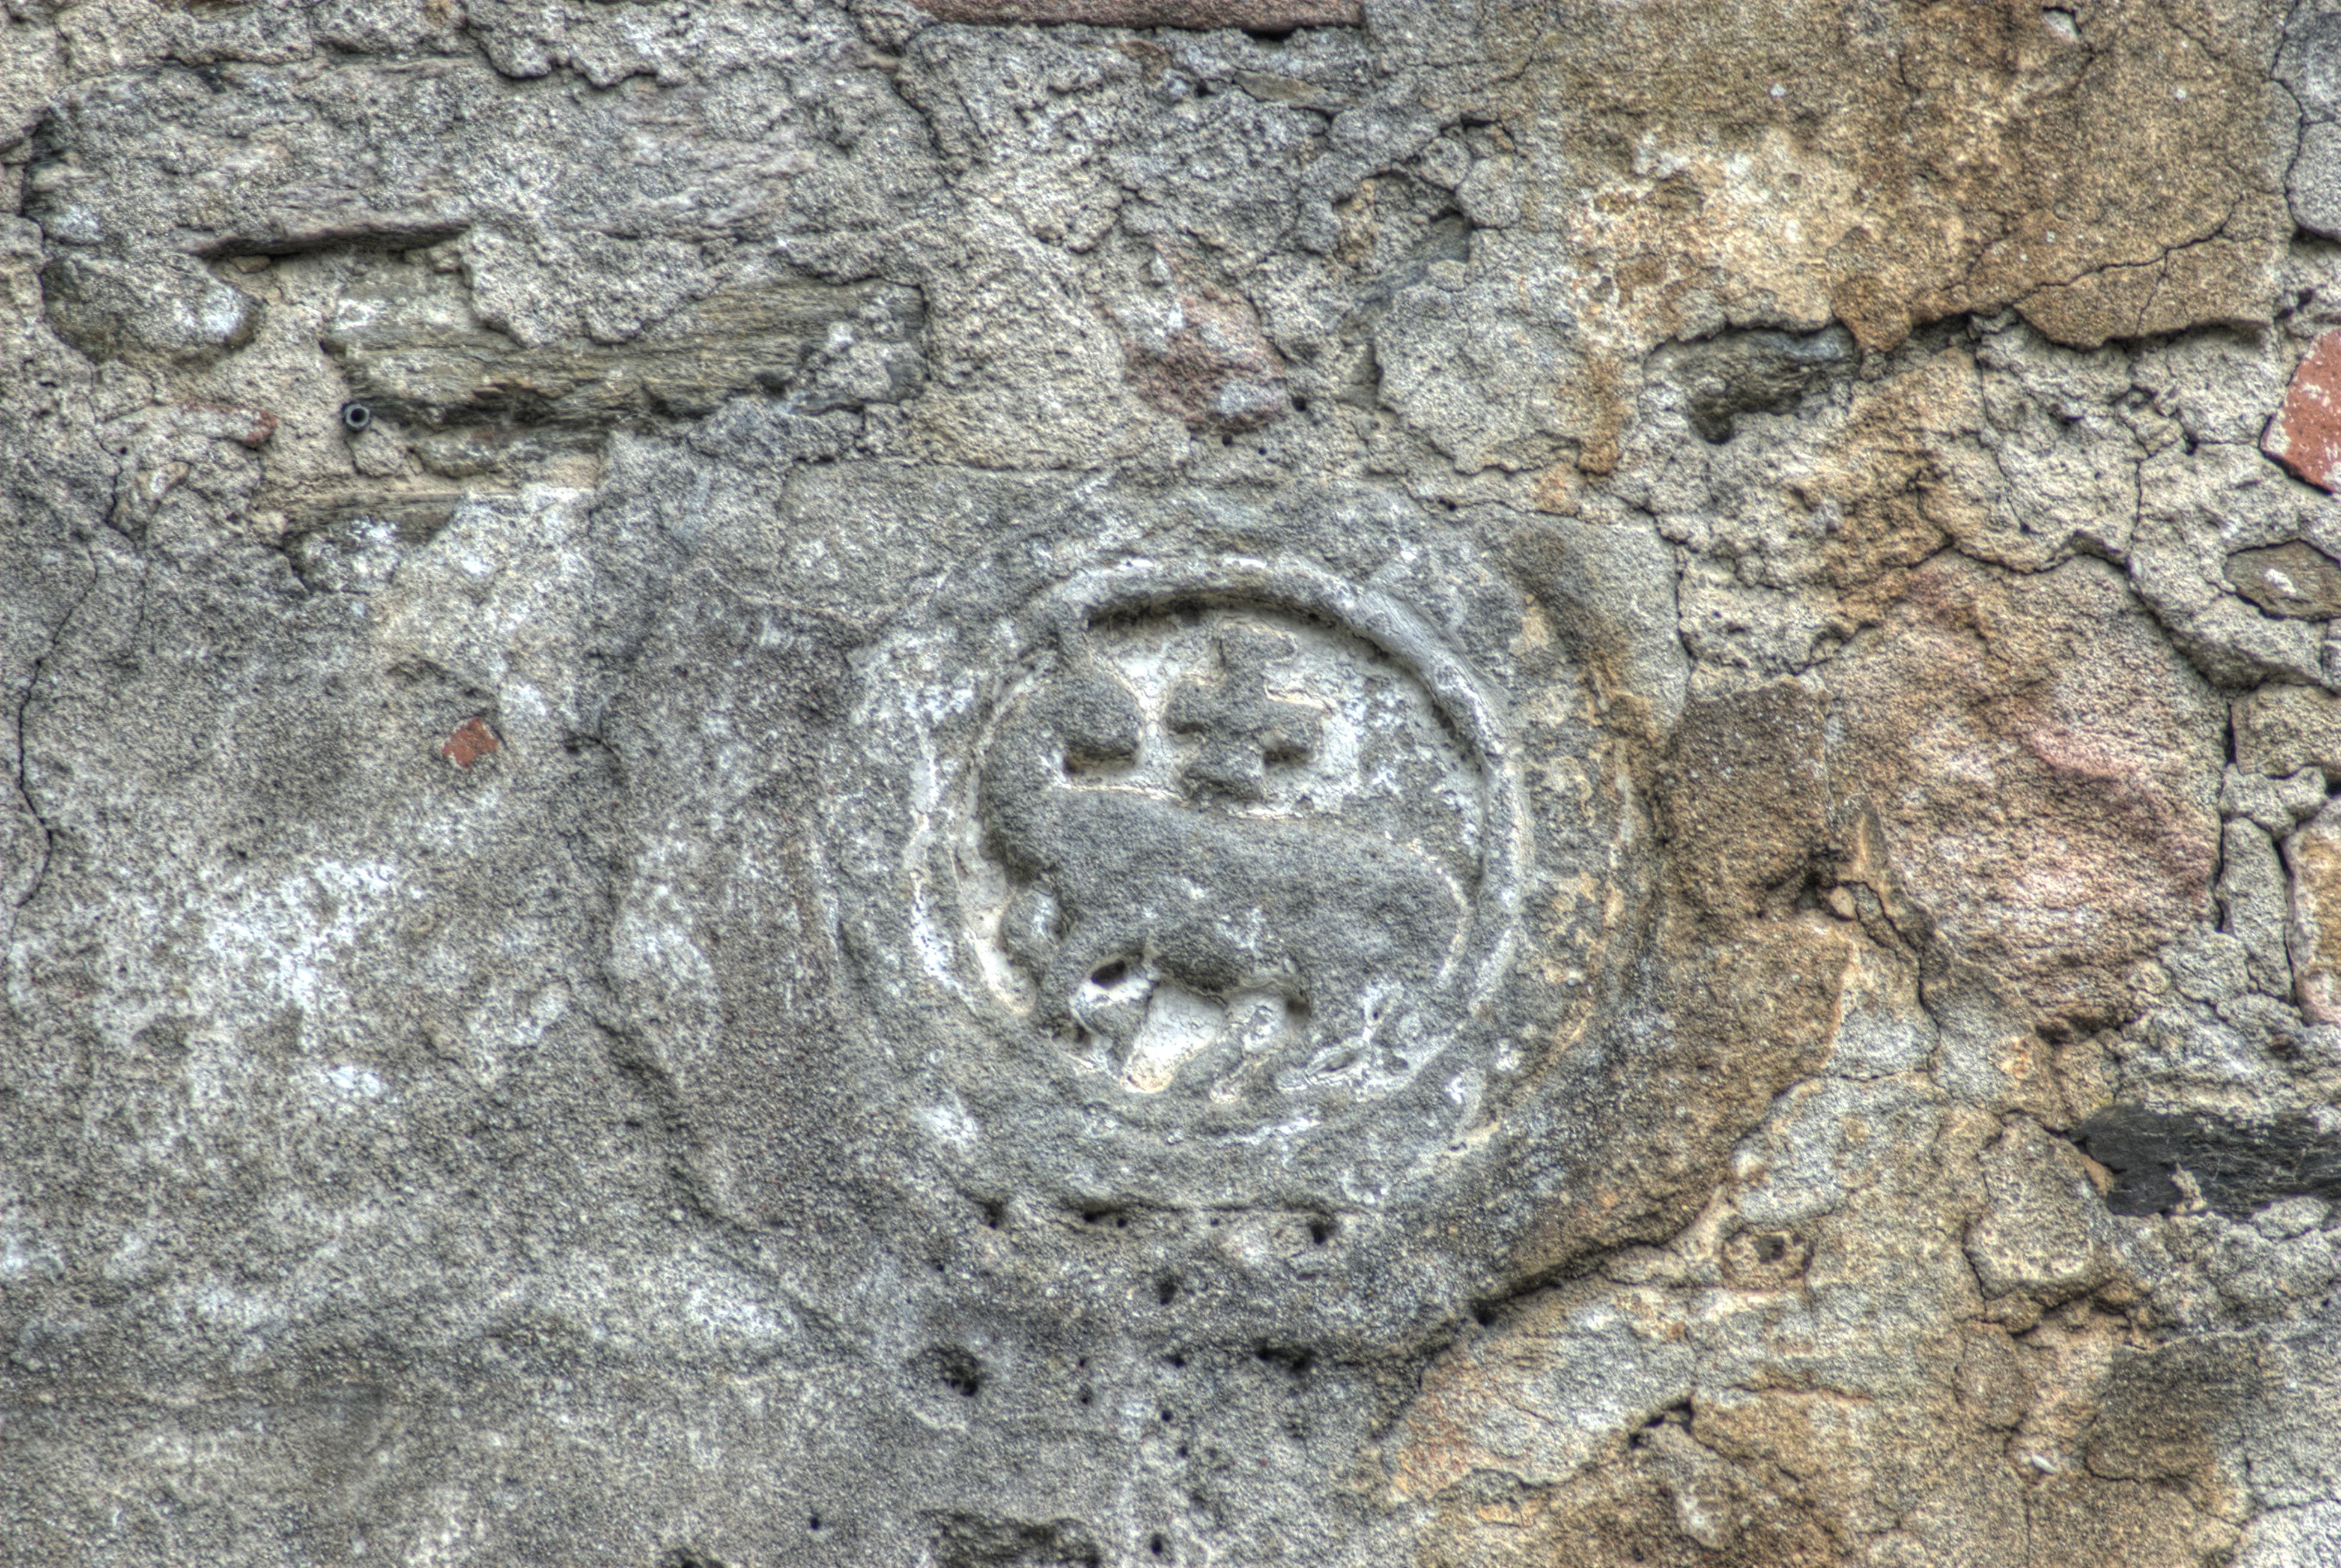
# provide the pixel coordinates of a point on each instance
(1236, 833)
(1198, 877)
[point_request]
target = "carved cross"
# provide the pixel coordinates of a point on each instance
(1242, 730)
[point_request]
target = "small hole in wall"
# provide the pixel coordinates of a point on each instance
(1157, 1545)
(1166, 1291)
(959, 1371)
(1300, 405)
(1111, 974)
(1088, 1396)
(993, 1213)
(1677, 1415)
(812, 1522)
(1321, 1231)
(1772, 1247)
(1293, 1359)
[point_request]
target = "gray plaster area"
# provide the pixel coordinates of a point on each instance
(1473, 786)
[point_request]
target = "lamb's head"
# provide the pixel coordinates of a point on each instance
(1092, 717)
(1079, 715)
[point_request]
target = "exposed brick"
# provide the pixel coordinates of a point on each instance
(2306, 434)
(472, 740)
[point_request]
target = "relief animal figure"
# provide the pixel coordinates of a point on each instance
(1332, 919)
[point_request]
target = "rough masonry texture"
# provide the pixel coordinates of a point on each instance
(1087, 783)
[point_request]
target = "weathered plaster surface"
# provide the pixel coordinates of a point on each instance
(1046, 784)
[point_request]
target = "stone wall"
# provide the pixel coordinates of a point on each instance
(1109, 782)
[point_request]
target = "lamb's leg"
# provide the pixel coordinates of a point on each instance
(1027, 926)
(1084, 948)
(1333, 1004)
(1221, 1070)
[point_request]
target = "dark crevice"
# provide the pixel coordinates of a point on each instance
(1760, 371)
(2238, 1167)
(24, 710)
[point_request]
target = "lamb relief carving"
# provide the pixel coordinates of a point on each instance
(1230, 850)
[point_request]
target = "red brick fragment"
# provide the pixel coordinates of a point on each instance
(1217, 371)
(1198, 16)
(2306, 434)
(472, 740)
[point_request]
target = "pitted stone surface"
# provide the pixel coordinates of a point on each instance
(1218, 782)
(1262, 16)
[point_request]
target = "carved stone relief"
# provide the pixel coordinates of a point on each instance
(1217, 839)
(1181, 870)
(1237, 783)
